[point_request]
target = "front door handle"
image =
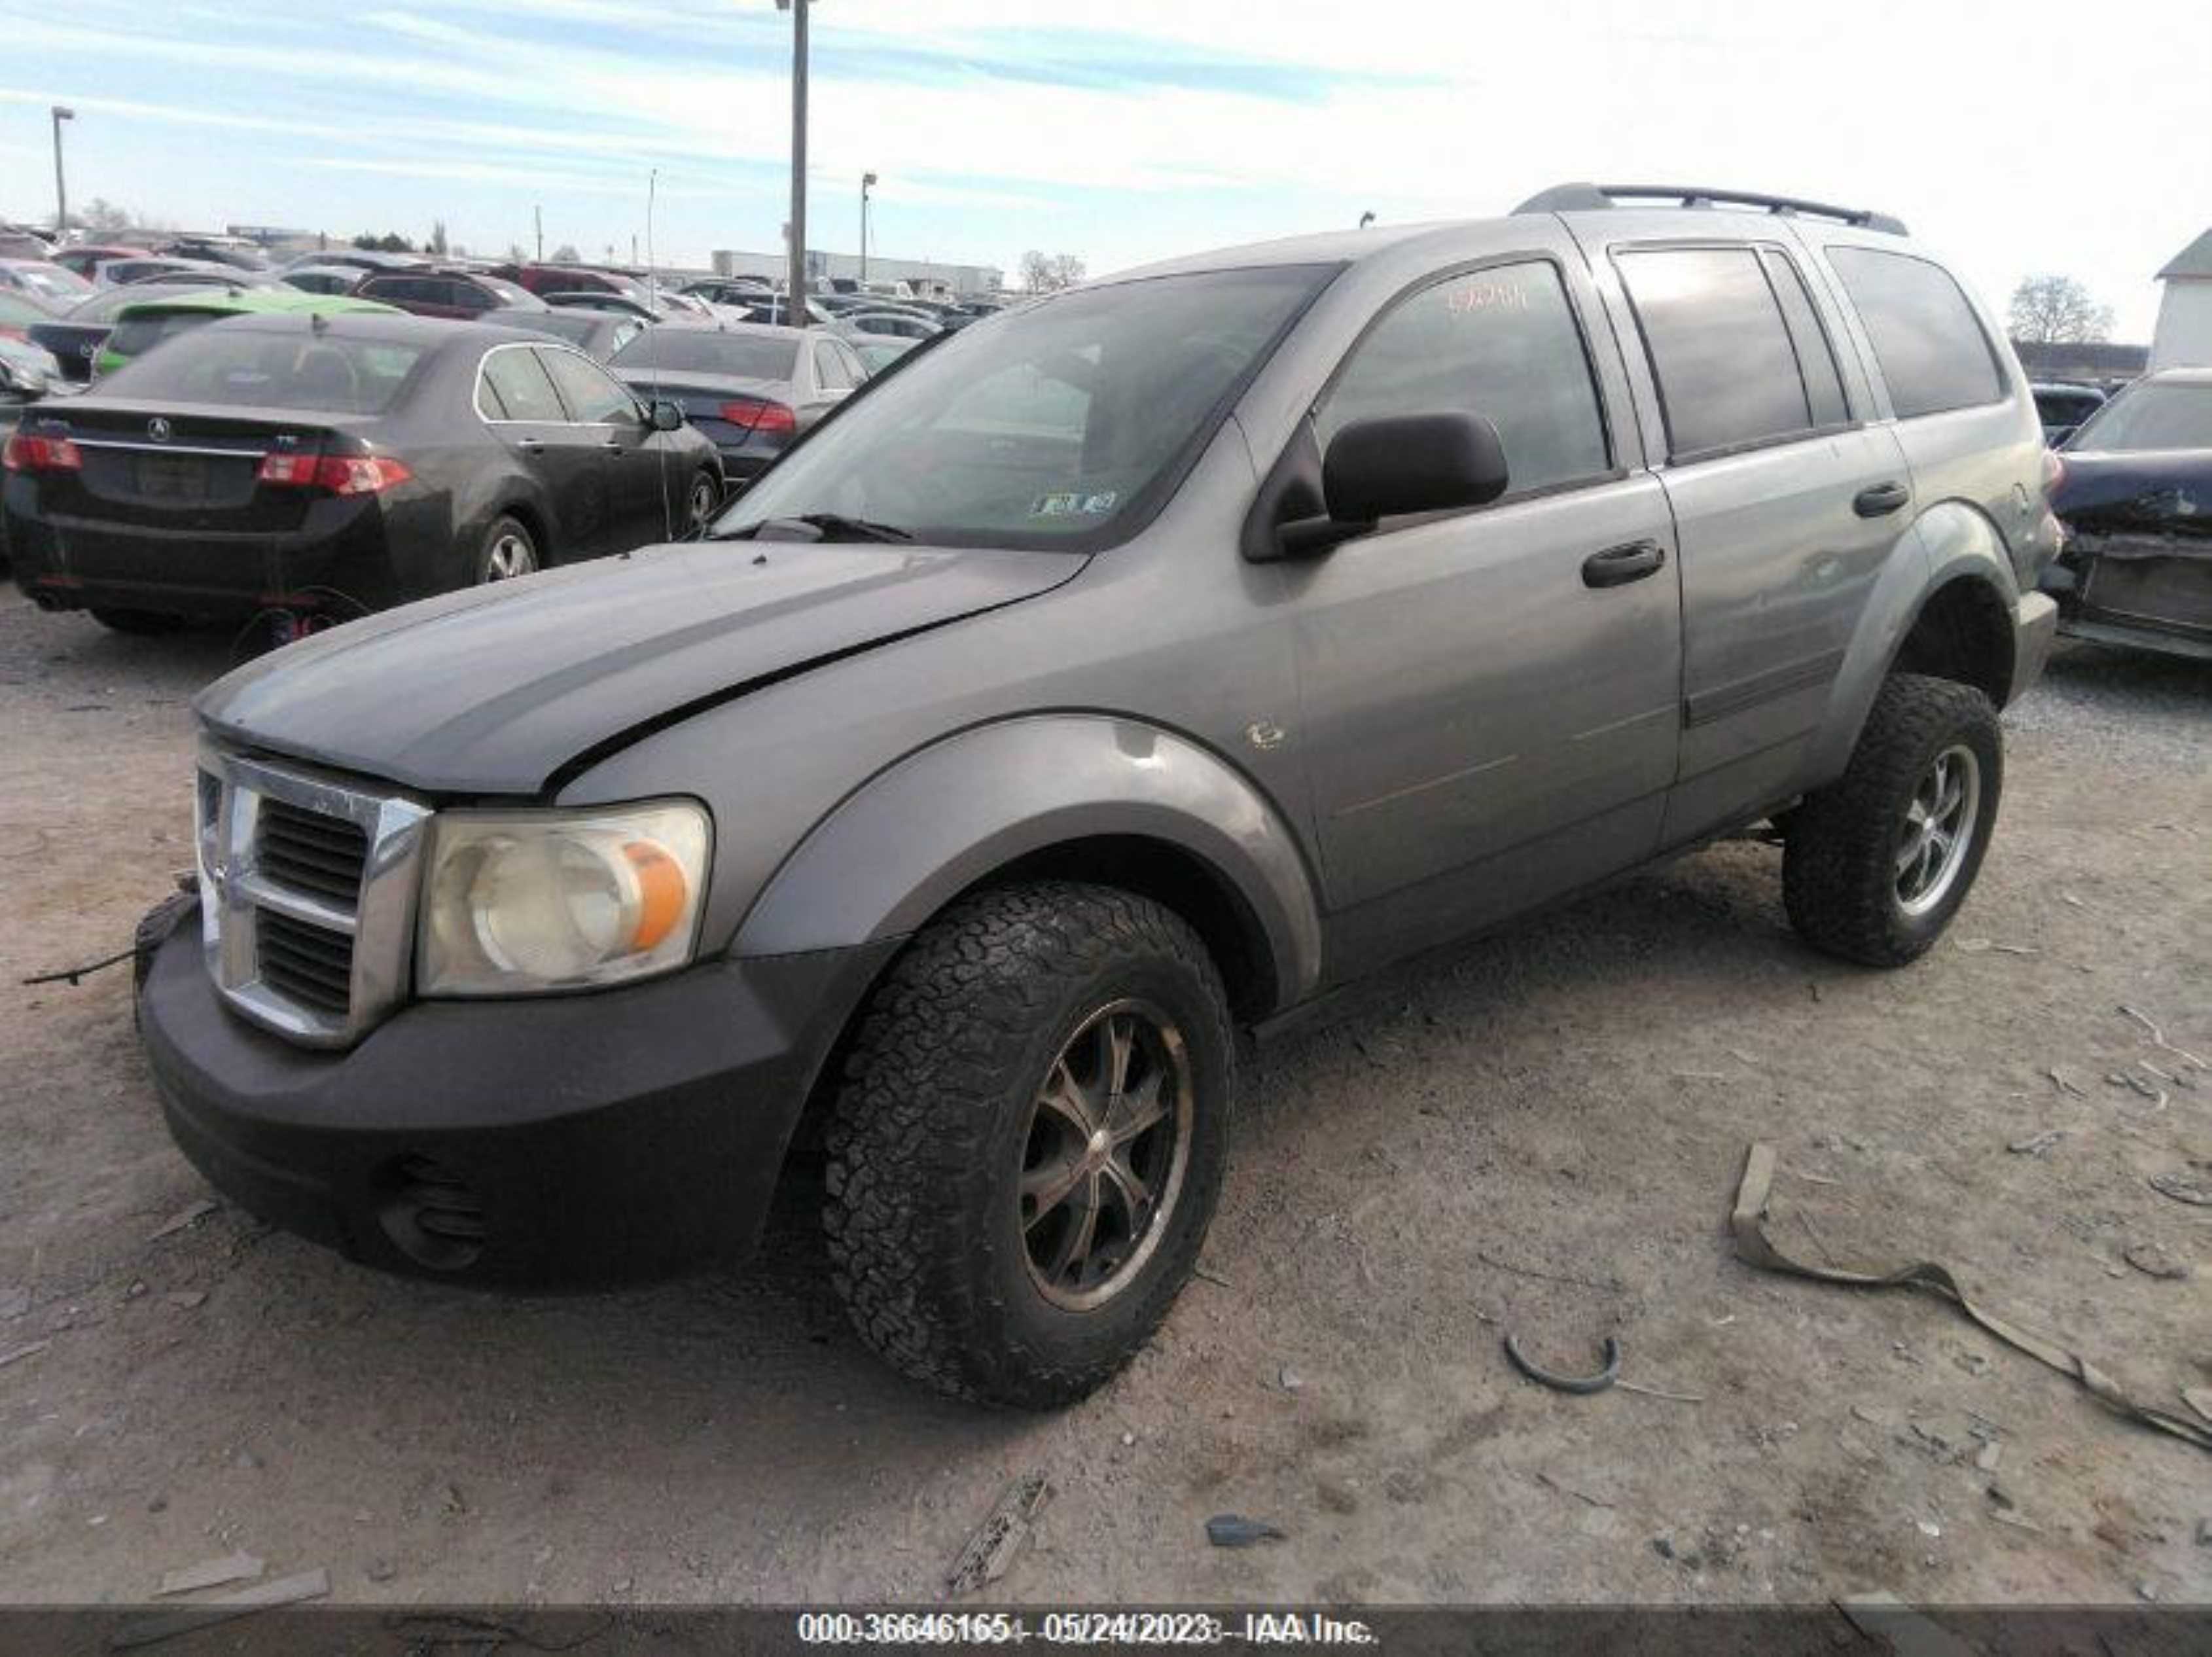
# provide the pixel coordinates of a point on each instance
(1879, 500)
(612, 445)
(1618, 566)
(531, 445)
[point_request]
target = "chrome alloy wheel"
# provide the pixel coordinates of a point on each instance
(1104, 1154)
(1939, 827)
(511, 555)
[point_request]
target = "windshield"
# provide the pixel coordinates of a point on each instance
(294, 369)
(703, 351)
(1062, 425)
(2153, 417)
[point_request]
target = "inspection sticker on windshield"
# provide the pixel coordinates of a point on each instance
(1072, 503)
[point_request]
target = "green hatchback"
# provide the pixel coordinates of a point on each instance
(139, 328)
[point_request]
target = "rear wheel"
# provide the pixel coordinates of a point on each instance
(1877, 863)
(1030, 1141)
(508, 551)
(140, 623)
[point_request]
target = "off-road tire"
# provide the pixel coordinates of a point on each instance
(138, 624)
(927, 1134)
(1838, 864)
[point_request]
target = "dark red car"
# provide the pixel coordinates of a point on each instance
(574, 279)
(459, 295)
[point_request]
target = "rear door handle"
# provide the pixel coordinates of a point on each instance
(530, 446)
(1618, 566)
(1879, 500)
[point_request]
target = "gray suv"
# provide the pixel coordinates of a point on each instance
(1117, 676)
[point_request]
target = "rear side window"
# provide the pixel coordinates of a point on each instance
(1723, 354)
(1501, 342)
(1931, 348)
(516, 388)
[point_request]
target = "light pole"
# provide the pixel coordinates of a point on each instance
(867, 183)
(795, 293)
(61, 113)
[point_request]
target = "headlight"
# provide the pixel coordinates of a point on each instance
(516, 903)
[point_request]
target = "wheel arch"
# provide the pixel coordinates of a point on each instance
(1085, 797)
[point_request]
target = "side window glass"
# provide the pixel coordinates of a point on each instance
(594, 398)
(1501, 342)
(1727, 371)
(513, 374)
(1931, 348)
(1816, 356)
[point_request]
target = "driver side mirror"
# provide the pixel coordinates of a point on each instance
(664, 415)
(1395, 467)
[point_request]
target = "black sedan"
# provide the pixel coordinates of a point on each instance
(322, 466)
(750, 387)
(2135, 498)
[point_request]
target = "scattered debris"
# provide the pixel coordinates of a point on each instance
(2135, 1084)
(185, 1218)
(453, 1501)
(2157, 1038)
(211, 1573)
(2199, 1399)
(1929, 1528)
(2153, 1260)
(1987, 1458)
(1217, 1281)
(1984, 946)
(1234, 1530)
(1289, 1379)
(1127, 1439)
(1543, 1477)
(72, 975)
(1610, 1285)
(1654, 1391)
(1753, 1245)
(16, 1352)
(2184, 1186)
(186, 1619)
(2036, 1144)
(2018, 1521)
(1559, 1383)
(382, 1570)
(2064, 1078)
(991, 1545)
(187, 1300)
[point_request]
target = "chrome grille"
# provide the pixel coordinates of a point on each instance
(307, 896)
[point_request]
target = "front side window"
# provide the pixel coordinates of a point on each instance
(1720, 348)
(1501, 342)
(1064, 424)
(1931, 348)
(593, 397)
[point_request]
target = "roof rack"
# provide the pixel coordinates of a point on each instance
(1583, 198)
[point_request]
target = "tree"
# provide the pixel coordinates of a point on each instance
(1043, 273)
(437, 242)
(2058, 311)
(517, 254)
(390, 242)
(102, 215)
(566, 253)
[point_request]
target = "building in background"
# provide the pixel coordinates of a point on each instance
(2184, 336)
(924, 275)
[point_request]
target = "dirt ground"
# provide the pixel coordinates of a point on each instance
(1539, 1135)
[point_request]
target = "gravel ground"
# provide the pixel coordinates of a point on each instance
(1540, 1134)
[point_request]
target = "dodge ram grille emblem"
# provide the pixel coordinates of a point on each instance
(158, 429)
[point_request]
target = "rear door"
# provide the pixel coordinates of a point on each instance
(1787, 504)
(516, 397)
(1490, 714)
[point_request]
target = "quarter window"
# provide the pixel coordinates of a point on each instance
(1501, 342)
(1931, 348)
(512, 376)
(1725, 360)
(593, 397)
(830, 371)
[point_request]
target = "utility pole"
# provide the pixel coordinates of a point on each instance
(867, 182)
(61, 113)
(537, 216)
(795, 293)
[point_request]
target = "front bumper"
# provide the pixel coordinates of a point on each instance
(559, 1142)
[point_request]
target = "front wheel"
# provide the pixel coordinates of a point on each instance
(706, 494)
(1030, 1141)
(1876, 864)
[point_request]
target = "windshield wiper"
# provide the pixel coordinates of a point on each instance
(827, 526)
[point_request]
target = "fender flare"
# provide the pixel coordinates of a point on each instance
(1951, 541)
(906, 842)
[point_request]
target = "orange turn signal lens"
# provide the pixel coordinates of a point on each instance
(661, 890)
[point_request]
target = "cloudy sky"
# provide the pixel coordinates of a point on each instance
(2019, 136)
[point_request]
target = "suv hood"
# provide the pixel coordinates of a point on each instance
(496, 689)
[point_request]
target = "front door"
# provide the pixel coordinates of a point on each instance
(1490, 695)
(640, 472)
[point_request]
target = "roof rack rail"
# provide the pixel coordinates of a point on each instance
(1583, 198)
